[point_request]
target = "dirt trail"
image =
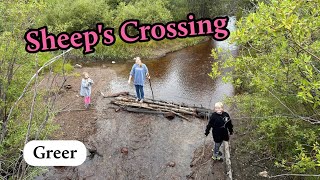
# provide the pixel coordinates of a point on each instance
(152, 140)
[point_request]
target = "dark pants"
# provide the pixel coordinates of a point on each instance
(139, 91)
(216, 149)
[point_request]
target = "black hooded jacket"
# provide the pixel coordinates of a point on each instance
(220, 124)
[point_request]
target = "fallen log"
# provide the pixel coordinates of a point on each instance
(169, 104)
(140, 110)
(148, 100)
(172, 109)
(168, 115)
(151, 110)
(133, 104)
(173, 106)
(153, 107)
(126, 96)
(125, 100)
(186, 110)
(180, 115)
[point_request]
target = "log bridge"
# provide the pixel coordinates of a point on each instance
(169, 109)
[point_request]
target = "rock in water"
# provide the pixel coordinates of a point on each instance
(172, 164)
(169, 115)
(124, 150)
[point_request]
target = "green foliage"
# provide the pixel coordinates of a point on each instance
(60, 67)
(147, 12)
(293, 143)
(144, 10)
(76, 15)
(122, 50)
(17, 67)
(57, 67)
(18, 128)
(278, 65)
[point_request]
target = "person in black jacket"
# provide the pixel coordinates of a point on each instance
(221, 125)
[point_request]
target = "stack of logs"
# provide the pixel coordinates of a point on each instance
(168, 109)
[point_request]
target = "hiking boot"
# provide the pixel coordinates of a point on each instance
(217, 158)
(137, 100)
(141, 101)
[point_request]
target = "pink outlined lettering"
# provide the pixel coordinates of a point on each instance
(123, 31)
(40, 40)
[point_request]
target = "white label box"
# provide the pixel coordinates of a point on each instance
(54, 153)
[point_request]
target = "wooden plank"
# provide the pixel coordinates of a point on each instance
(186, 110)
(145, 106)
(161, 106)
(172, 109)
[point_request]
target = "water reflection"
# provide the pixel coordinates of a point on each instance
(181, 76)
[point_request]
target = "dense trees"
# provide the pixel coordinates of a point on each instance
(21, 123)
(278, 69)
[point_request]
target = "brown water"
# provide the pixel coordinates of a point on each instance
(181, 76)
